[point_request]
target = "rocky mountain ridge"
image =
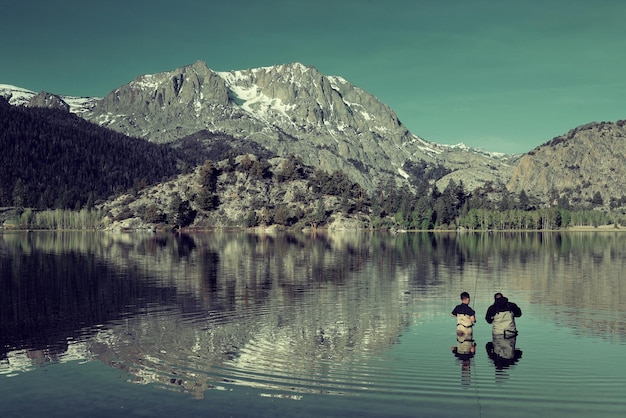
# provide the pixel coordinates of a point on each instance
(586, 162)
(289, 109)
(18, 96)
(293, 109)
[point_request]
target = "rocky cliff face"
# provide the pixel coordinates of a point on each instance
(166, 106)
(48, 100)
(587, 160)
(289, 109)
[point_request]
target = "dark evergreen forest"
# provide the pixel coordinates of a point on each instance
(53, 159)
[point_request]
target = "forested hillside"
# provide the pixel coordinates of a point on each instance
(53, 159)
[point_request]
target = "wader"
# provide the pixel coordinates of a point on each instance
(504, 324)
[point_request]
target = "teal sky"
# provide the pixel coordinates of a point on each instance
(496, 74)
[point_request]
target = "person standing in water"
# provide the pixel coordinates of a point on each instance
(465, 317)
(501, 315)
(466, 347)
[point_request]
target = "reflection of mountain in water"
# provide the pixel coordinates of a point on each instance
(578, 273)
(581, 275)
(194, 311)
(174, 307)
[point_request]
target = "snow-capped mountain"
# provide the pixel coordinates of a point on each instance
(18, 96)
(288, 109)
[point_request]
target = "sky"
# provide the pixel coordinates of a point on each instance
(502, 75)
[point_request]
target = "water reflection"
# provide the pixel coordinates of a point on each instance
(464, 351)
(503, 352)
(195, 311)
(289, 312)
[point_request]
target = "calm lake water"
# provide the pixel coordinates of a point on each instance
(350, 324)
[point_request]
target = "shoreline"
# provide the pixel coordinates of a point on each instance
(274, 229)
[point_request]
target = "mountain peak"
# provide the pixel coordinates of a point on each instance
(48, 100)
(16, 96)
(289, 108)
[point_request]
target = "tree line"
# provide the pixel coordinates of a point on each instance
(387, 207)
(455, 208)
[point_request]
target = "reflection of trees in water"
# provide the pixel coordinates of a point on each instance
(576, 272)
(582, 280)
(270, 305)
(193, 308)
(48, 299)
(178, 307)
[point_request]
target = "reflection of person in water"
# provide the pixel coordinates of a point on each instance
(501, 350)
(464, 351)
(501, 315)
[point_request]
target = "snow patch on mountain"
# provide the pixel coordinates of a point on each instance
(461, 146)
(80, 105)
(149, 81)
(251, 98)
(19, 96)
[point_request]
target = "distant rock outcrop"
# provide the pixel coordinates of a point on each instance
(48, 100)
(588, 161)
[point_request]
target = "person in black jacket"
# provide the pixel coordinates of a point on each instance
(501, 315)
(465, 315)
(465, 319)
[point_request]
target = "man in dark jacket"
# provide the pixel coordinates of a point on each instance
(502, 316)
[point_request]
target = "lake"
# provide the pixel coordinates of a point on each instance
(344, 324)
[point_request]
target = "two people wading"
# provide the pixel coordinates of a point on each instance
(501, 315)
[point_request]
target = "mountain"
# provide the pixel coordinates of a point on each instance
(289, 109)
(293, 109)
(577, 168)
(19, 96)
